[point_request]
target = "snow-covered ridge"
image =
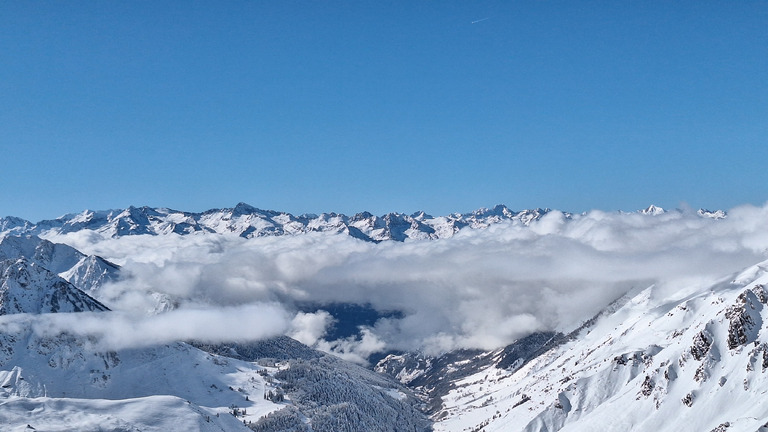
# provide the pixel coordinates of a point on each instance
(247, 221)
(695, 361)
(86, 272)
(25, 287)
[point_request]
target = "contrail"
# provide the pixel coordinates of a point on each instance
(480, 20)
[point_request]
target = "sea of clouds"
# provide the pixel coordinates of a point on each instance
(482, 288)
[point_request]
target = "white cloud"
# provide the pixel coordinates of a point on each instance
(308, 328)
(118, 330)
(354, 349)
(481, 288)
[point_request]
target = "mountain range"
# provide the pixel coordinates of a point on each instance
(247, 221)
(692, 357)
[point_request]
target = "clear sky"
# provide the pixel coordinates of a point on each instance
(308, 106)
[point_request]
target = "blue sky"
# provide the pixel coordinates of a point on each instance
(382, 106)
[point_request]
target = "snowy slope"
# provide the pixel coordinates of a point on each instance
(148, 414)
(434, 376)
(692, 360)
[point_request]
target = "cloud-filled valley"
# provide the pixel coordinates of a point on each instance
(481, 288)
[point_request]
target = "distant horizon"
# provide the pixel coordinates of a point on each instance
(680, 207)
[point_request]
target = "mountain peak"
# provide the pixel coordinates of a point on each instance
(26, 287)
(421, 215)
(653, 210)
(11, 223)
(717, 214)
(242, 208)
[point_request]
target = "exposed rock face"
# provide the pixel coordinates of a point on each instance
(700, 346)
(744, 318)
(761, 293)
(646, 388)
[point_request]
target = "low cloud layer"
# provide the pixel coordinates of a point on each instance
(119, 329)
(479, 289)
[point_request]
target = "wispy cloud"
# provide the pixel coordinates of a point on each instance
(118, 330)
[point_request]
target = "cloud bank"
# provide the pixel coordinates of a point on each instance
(118, 330)
(480, 289)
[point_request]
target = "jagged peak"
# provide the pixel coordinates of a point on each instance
(501, 210)
(14, 219)
(19, 245)
(716, 214)
(138, 214)
(12, 222)
(242, 209)
(26, 287)
(39, 250)
(363, 215)
(395, 216)
(421, 215)
(248, 221)
(653, 210)
(142, 211)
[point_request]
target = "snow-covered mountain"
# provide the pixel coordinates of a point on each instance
(434, 377)
(27, 288)
(87, 272)
(58, 374)
(14, 224)
(247, 221)
(54, 379)
(694, 359)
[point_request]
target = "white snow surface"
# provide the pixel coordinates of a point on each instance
(26, 287)
(148, 414)
(693, 360)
